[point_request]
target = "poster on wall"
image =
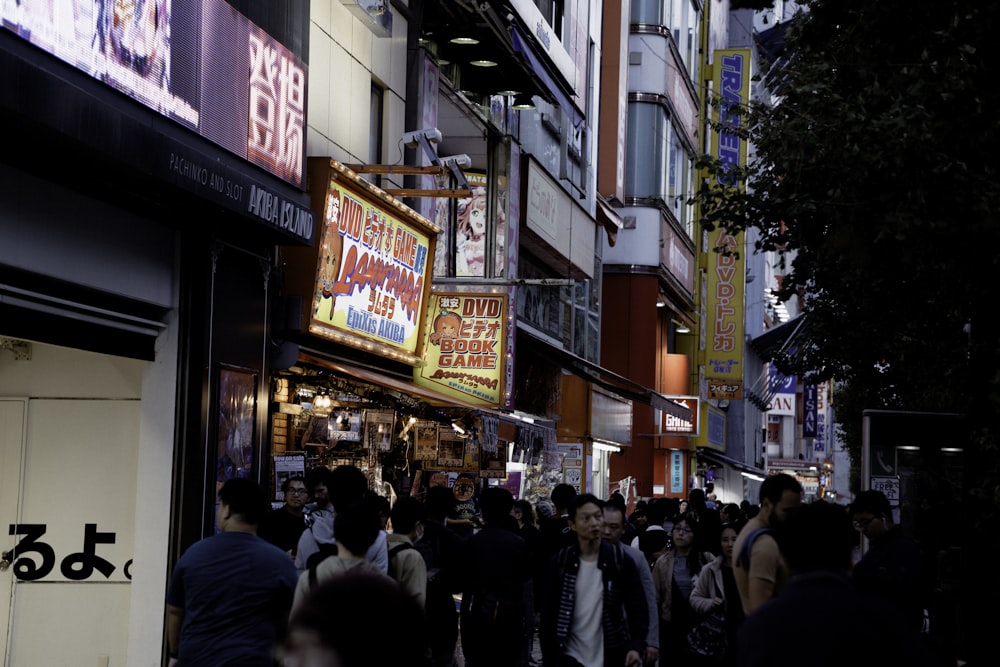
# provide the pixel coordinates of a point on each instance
(236, 418)
(451, 449)
(378, 429)
(345, 426)
(163, 54)
(425, 441)
(465, 353)
(287, 466)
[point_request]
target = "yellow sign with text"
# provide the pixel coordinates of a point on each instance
(465, 355)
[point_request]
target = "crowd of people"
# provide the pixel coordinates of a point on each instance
(336, 577)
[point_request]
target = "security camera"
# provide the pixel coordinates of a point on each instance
(412, 139)
(462, 160)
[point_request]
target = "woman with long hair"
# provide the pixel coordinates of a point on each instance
(675, 575)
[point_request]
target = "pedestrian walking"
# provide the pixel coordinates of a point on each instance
(760, 568)
(594, 610)
(230, 594)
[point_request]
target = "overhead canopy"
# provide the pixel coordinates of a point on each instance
(779, 339)
(402, 386)
(609, 380)
(717, 457)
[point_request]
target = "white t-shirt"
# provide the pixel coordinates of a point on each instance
(586, 636)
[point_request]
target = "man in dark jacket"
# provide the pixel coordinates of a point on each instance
(496, 583)
(594, 603)
(891, 567)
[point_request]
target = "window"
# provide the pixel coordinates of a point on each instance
(552, 11)
(651, 12)
(658, 165)
(646, 150)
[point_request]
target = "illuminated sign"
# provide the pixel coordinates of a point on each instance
(675, 425)
(200, 63)
(465, 354)
(726, 272)
(373, 270)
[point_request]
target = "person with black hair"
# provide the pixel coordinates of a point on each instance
(283, 527)
(406, 565)
(343, 623)
(441, 550)
(594, 610)
(716, 592)
(496, 586)
(655, 540)
(820, 618)
(345, 485)
(229, 594)
(891, 567)
(674, 576)
(357, 527)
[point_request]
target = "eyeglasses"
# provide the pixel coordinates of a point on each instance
(861, 524)
(682, 529)
(298, 491)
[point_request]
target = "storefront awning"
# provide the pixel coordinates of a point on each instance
(402, 386)
(778, 340)
(609, 380)
(717, 457)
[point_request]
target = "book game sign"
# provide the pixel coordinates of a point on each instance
(465, 355)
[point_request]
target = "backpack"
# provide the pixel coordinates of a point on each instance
(325, 551)
(743, 559)
(402, 546)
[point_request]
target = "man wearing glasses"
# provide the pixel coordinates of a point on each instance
(891, 567)
(283, 527)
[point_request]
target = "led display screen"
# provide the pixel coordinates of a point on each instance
(200, 63)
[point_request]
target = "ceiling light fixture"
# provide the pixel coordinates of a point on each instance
(483, 63)
(680, 327)
(523, 103)
(464, 40)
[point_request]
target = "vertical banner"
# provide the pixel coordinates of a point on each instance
(677, 472)
(819, 444)
(726, 262)
(465, 354)
(809, 412)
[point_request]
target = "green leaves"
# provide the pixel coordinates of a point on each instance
(875, 175)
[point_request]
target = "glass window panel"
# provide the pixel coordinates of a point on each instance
(646, 150)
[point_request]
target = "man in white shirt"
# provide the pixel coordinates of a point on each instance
(594, 611)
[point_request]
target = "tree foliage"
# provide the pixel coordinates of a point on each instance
(875, 175)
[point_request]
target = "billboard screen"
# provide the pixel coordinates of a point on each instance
(200, 63)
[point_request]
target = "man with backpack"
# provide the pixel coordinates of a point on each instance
(406, 565)
(759, 568)
(345, 484)
(594, 610)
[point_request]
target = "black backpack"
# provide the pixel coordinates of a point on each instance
(325, 551)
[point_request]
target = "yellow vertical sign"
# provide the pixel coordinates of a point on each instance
(726, 262)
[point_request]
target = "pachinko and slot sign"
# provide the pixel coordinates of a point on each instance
(465, 347)
(373, 273)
